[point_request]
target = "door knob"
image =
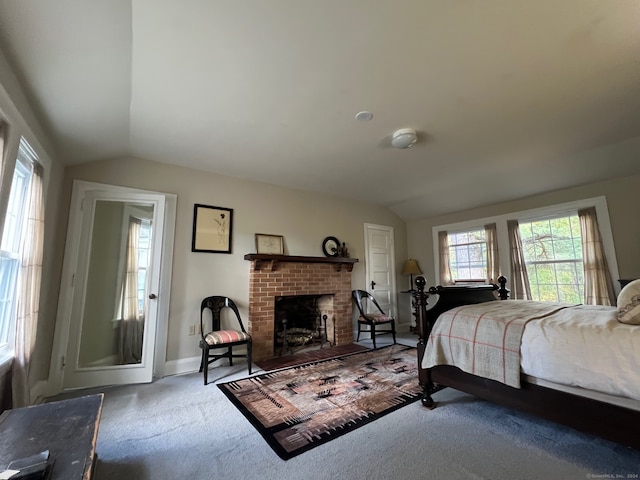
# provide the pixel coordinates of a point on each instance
(373, 285)
(152, 296)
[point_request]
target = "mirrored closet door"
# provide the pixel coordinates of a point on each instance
(113, 266)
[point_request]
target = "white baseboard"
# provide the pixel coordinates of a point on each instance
(186, 365)
(173, 367)
(177, 367)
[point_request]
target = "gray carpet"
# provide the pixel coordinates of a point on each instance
(178, 428)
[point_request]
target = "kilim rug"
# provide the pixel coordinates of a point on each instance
(296, 409)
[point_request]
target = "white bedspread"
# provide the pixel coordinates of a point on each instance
(580, 346)
(584, 346)
(484, 339)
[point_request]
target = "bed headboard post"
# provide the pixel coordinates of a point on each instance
(503, 291)
(422, 327)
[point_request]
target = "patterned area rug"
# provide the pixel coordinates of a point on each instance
(310, 356)
(299, 408)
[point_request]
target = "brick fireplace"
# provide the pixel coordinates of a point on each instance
(274, 276)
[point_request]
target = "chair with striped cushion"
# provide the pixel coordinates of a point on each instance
(217, 337)
(372, 320)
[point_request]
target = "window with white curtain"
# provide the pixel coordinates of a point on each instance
(12, 239)
(468, 255)
(551, 242)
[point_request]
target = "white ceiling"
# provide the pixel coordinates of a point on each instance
(510, 97)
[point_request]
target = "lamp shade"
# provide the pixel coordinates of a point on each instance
(411, 267)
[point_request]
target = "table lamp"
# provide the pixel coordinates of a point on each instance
(411, 268)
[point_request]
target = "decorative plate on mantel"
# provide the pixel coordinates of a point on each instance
(331, 246)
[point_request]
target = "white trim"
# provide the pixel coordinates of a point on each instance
(164, 295)
(600, 203)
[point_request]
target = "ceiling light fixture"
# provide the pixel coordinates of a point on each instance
(404, 138)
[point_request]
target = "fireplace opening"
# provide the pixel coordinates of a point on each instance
(300, 323)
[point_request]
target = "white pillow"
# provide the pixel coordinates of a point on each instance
(629, 303)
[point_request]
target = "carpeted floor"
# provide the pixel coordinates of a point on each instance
(298, 408)
(178, 428)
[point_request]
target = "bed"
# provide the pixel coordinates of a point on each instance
(601, 403)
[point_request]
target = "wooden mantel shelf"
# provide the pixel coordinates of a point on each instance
(273, 260)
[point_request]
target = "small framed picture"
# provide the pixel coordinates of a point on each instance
(269, 244)
(212, 227)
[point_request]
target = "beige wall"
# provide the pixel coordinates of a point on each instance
(304, 219)
(622, 201)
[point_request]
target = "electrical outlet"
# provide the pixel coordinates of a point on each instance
(192, 329)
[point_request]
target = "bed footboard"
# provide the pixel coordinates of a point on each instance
(445, 299)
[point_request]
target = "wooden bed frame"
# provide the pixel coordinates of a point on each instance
(609, 421)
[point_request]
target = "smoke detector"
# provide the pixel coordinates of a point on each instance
(404, 138)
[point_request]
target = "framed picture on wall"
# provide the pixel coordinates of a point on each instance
(212, 228)
(270, 244)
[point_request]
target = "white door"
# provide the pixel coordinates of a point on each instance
(380, 266)
(112, 263)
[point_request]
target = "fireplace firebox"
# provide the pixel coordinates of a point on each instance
(300, 322)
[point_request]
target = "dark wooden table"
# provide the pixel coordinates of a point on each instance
(68, 429)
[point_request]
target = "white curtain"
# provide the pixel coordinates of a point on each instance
(3, 134)
(28, 297)
(445, 267)
(493, 259)
(520, 288)
(598, 286)
(4, 379)
(131, 324)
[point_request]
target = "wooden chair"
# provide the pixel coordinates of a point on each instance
(216, 338)
(372, 320)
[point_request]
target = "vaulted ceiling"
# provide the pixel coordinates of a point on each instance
(509, 97)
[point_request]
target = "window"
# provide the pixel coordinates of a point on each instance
(551, 241)
(135, 270)
(144, 250)
(553, 255)
(12, 240)
(468, 255)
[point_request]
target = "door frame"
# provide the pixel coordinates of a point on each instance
(394, 292)
(80, 189)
